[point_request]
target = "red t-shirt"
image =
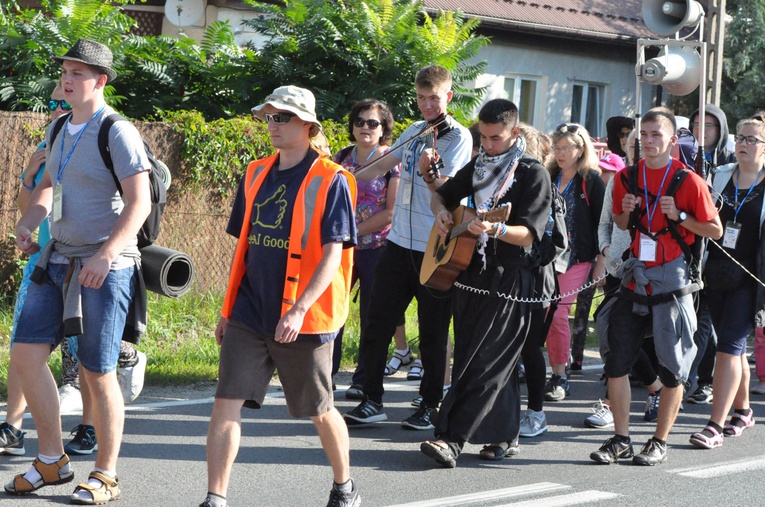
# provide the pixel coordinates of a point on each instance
(693, 197)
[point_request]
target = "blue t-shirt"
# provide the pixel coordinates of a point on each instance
(259, 301)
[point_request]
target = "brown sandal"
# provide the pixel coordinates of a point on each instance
(108, 491)
(50, 473)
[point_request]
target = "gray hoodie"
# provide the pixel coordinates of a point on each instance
(720, 155)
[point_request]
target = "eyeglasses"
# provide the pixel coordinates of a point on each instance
(564, 149)
(360, 122)
(707, 126)
(750, 140)
(279, 118)
(53, 105)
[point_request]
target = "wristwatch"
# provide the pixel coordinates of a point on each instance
(682, 217)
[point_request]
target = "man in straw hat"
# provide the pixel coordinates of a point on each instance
(293, 217)
(86, 275)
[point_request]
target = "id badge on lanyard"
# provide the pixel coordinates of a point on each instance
(731, 235)
(647, 248)
(58, 201)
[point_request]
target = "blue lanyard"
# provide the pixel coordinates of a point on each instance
(415, 146)
(741, 204)
(356, 150)
(649, 212)
(560, 176)
(62, 165)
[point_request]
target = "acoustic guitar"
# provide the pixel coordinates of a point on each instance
(445, 258)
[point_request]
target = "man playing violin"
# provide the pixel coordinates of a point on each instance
(427, 161)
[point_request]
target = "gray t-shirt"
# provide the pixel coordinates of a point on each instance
(412, 218)
(91, 201)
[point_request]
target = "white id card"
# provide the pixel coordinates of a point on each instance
(58, 202)
(647, 249)
(407, 199)
(732, 232)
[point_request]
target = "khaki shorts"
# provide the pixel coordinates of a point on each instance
(248, 361)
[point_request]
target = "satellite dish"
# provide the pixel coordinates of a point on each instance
(184, 12)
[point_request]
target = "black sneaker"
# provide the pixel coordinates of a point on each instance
(11, 440)
(420, 420)
(84, 441)
(355, 392)
(702, 396)
(339, 499)
(557, 388)
(612, 450)
(652, 454)
(367, 412)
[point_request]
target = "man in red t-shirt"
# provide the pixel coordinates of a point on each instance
(657, 265)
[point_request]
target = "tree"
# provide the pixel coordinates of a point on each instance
(744, 61)
(346, 51)
(29, 39)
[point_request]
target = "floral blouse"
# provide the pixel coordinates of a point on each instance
(371, 198)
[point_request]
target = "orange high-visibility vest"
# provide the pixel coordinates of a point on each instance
(329, 312)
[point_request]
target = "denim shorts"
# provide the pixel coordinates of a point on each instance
(104, 312)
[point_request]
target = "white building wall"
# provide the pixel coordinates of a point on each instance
(557, 72)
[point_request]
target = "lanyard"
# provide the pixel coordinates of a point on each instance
(649, 212)
(741, 204)
(560, 177)
(63, 162)
(356, 150)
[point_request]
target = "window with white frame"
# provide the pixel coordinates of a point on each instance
(525, 92)
(587, 107)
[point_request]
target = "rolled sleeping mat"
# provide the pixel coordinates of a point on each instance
(166, 272)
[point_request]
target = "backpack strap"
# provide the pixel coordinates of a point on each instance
(58, 124)
(103, 145)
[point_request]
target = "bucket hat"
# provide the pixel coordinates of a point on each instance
(91, 53)
(293, 99)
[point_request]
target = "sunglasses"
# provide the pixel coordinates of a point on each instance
(360, 122)
(564, 128)
(53, 105)
(622, 134)
(279, 118)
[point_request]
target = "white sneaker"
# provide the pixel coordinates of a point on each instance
(70, 399)
(131, 378)
(602, 418)
(533, 424)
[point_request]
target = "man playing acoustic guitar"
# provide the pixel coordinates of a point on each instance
(483, 404)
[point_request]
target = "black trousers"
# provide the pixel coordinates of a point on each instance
(397, 281)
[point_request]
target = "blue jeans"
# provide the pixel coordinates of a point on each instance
(104, 312)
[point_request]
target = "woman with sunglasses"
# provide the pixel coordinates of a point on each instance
(11, 437)
(739, 298)
(370, 126)
(574, 169)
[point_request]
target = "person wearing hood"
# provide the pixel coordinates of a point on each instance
(716, 133)
(618, 128)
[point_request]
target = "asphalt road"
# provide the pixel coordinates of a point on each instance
(281, 462)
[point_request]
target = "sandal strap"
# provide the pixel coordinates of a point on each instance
(108, 490)
(21, 484)
(50, 473)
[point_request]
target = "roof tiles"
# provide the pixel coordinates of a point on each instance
(599, 19)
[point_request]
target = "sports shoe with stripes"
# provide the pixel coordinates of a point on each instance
(367, 412)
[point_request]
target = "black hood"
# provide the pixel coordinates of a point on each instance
(614, 125)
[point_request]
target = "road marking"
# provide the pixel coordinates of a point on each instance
(568, 499)
(734, 467)
(454, 501)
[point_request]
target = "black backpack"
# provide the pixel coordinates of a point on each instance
(553, 245)
(693, 253)
(150, 228)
